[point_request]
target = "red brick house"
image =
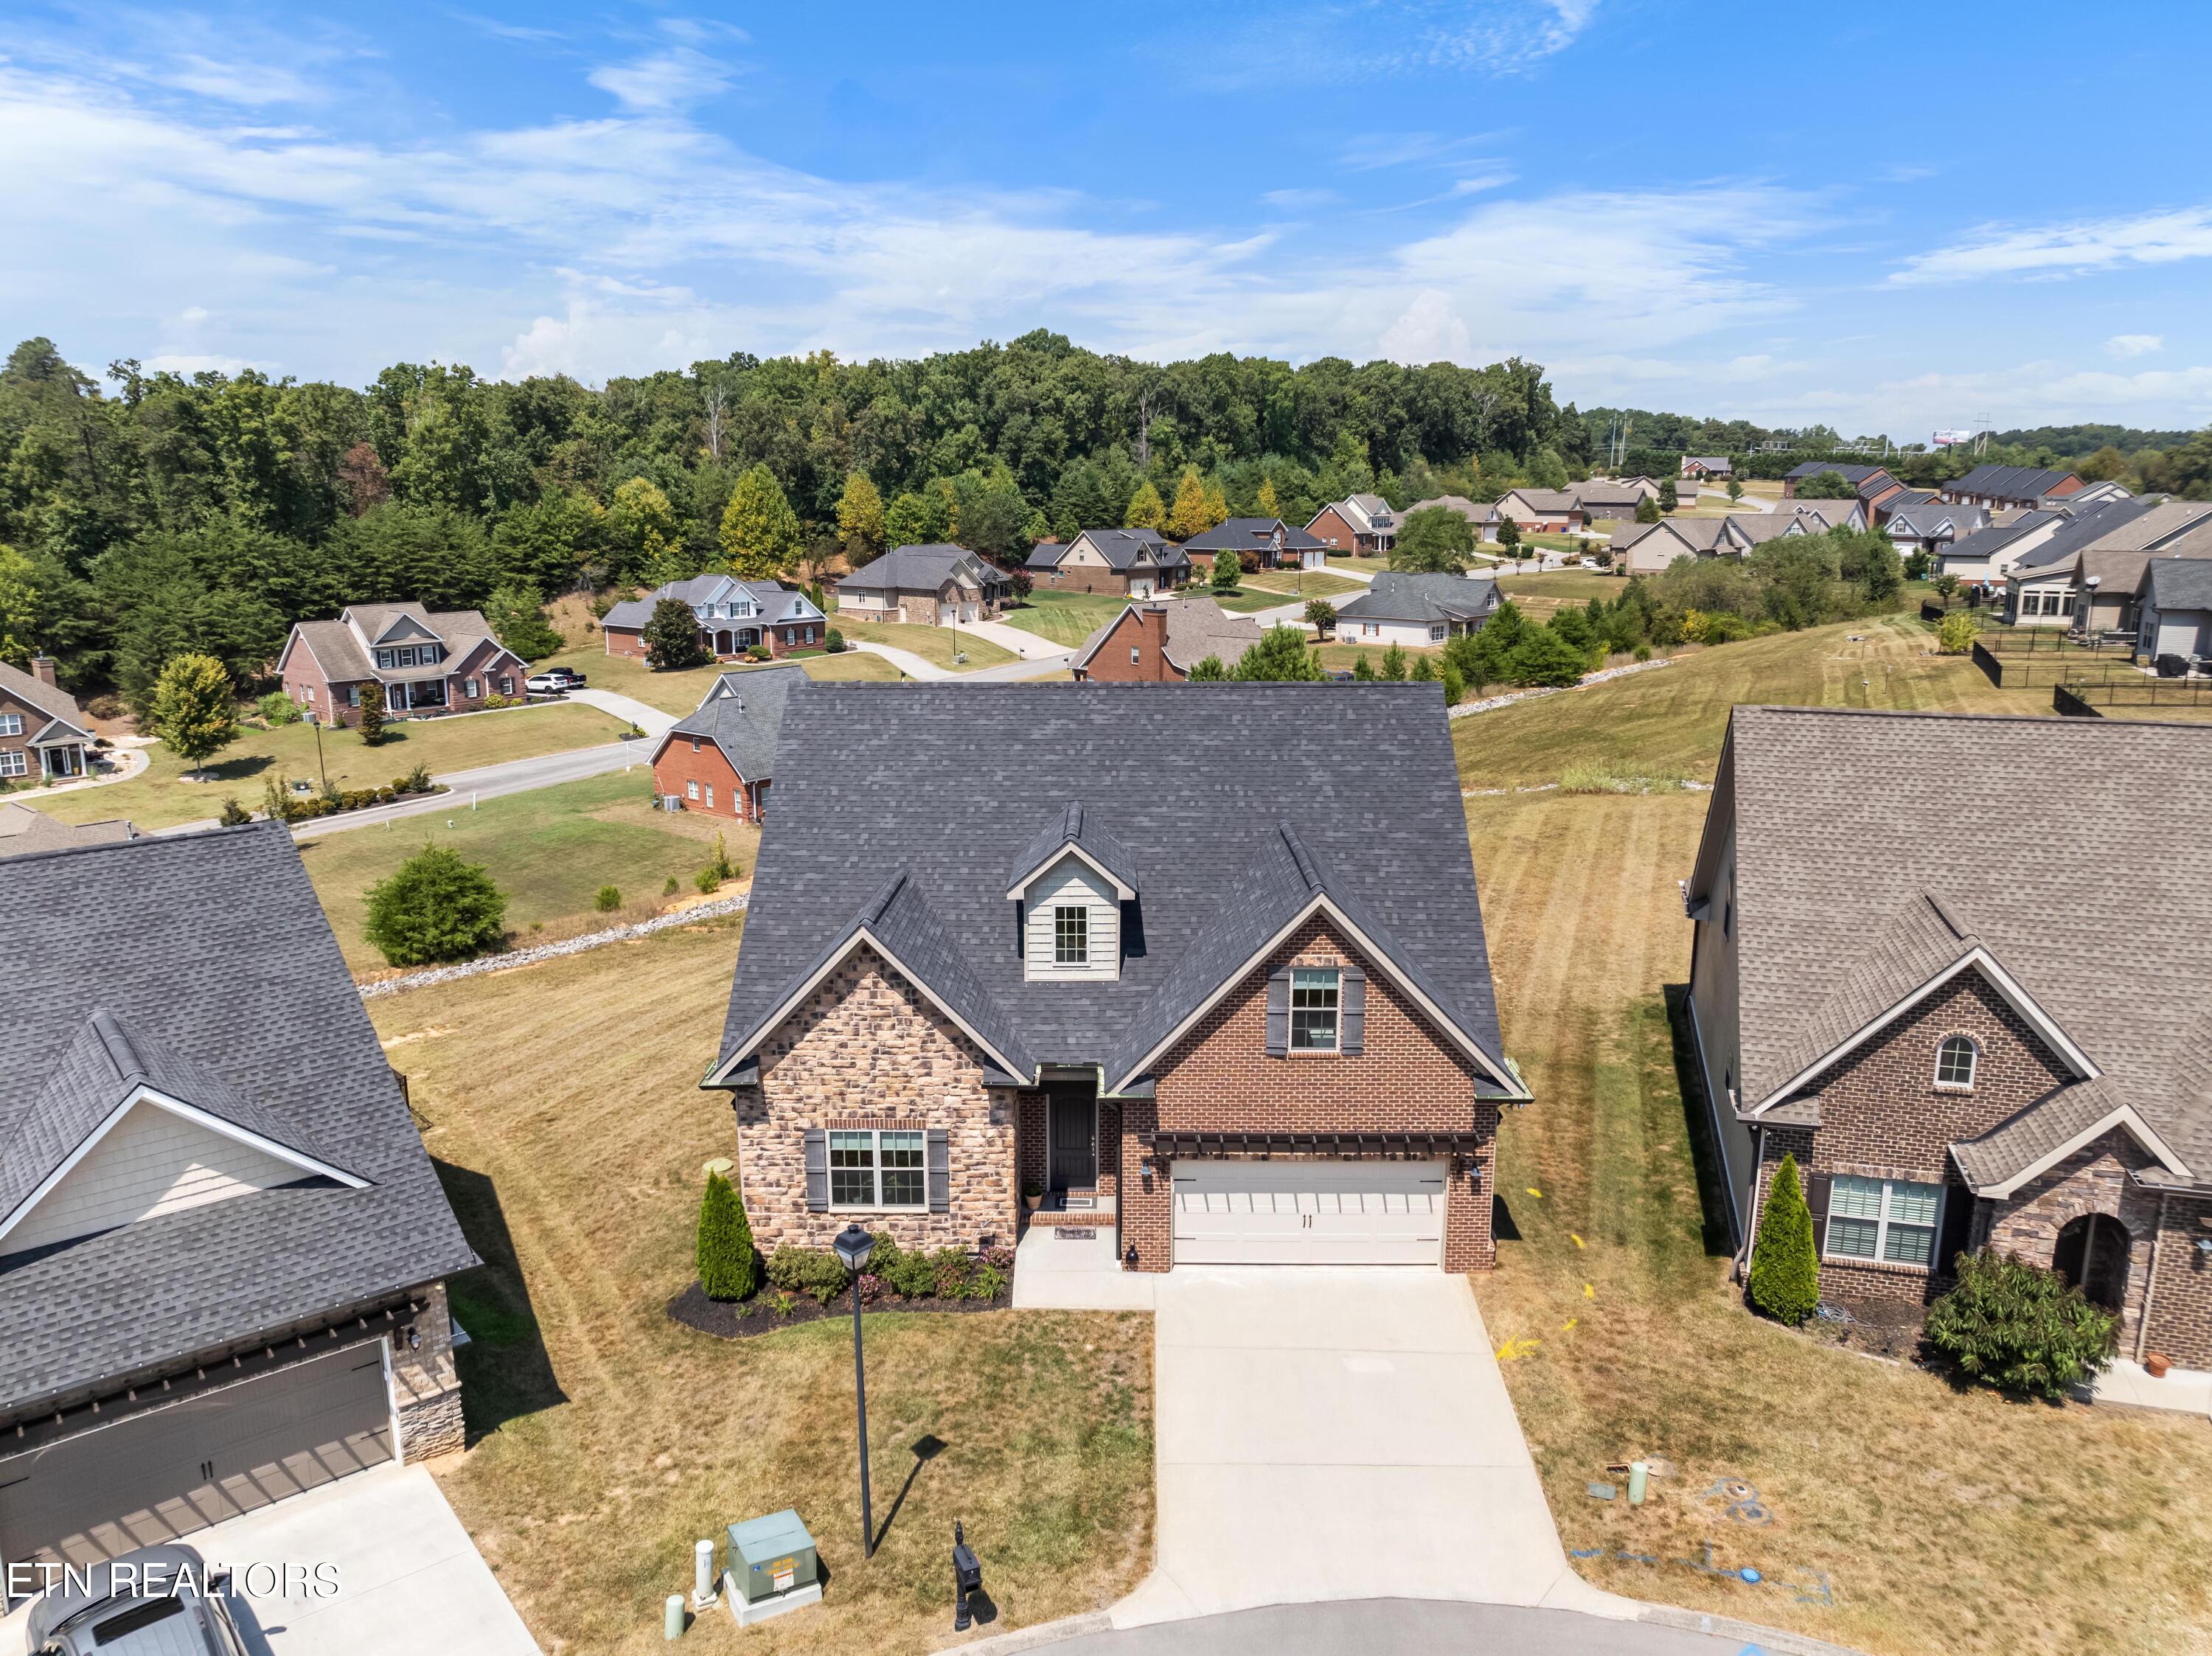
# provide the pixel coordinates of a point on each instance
(429, 661)
(959, 980)
(1537, 511)
(734, 616)
(43, 732)
(1875, 485)
(1160, 642)
(720, 757)
(1271, 542)
(1134, 563)
(1958, 1064)
(1362, 525)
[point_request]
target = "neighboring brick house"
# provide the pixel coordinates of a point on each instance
(1958, 1062)
(720, 757)
(223, 1247)
(1270, 542)
(1604, 500)
(1038, 967)
(1418, 611)
(43, 732)
(935, 585)
(429, 661)
(1362, 525)
(1537, 511)
(1160, 642)
(1134, 563)
(1875, 485)
(1702, 467)
(2021, 488)
(734, 616)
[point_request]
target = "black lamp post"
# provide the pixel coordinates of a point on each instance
(854, 1244)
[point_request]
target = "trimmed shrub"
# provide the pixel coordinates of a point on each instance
(671, 887)
(759, 652)
(728, 1267)
(1954, 636)
(277, 709)
(2020, 1328)
(609, 900)
(813, 1271)
(708, 882)
(235, 815)
(1785, 1270)
(372, 713)
(435, 906)
(833, 641)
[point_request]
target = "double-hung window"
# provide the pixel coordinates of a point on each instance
(14, 762)
(11, 724)
(1887, 1219)
(876, 1169)
(1315, 993)
(1071, 935)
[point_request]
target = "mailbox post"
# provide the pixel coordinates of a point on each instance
(967, 1576)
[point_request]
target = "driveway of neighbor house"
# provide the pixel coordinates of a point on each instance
(408, 1577)
(1331, 1434)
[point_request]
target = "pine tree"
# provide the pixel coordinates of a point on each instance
(760, 532)
(1363, 669)
(1188, 516)
(192, 709)
(372, 714)
(1280, 656)
(1647, 509)
(1394, 662)
(729, 1268)
(860, 519)
(1509, 533)
(1785, 1268)
(1669, 496)
(1147, 509)
(517, 616)
(1209, 670)
(1268, 506)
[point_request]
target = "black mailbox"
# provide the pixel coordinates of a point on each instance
(967, 1578)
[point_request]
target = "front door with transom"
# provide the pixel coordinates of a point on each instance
(1072, 1133)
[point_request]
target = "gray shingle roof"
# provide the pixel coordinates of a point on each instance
(2178, 583)
(922, 569)
(2035, 1132)
(338, 653)
(23, 831)
(2129, 525)
(1072, 825)
(212, 952)
(1846, 818)
(1192, 780)
(1989, 541)
(2012, 482)
(1855, 475)
(742, 713)
(1197, 628)
(33, 691)
(1406, 595)
(1924, 520)
(776, 601)
(1119, 547)
(1251, 535)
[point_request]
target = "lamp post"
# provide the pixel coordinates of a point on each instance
(854, 1244)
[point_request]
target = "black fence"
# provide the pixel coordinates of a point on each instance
(2055, 641)
(2078, 700)
(2012, 671)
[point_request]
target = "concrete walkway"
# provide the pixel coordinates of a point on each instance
(2129, 1385)
(1073, 1269)
(1329, 1434)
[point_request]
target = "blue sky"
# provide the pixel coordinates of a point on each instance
(1889, 218)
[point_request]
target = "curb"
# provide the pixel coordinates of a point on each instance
(1034, 1638)
(1727, 1627)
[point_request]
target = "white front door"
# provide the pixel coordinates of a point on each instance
(1338, 1213)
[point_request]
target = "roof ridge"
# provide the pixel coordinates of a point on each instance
(879, 905)
(1308, 869)
(115, 1040)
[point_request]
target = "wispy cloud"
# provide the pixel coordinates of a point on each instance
(669, 79)
(1338, 40)
(2156, 238)
(2136, 344)
(1369, 152)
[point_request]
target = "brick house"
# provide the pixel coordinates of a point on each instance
(961, 980)
(1160, 642)
(1537, 511)
(1874, 484)
(1702, 468)
(2021, 488)
(1271, 542)
(1362, 525)
(936, 585)
(1134, 563)
(734, 616)
(429, 661)
(43, 732)
(223, 1247)
(720, 757)
(1958, 1064)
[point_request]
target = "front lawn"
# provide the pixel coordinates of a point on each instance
(679, 692)
(935, 645)
(1308, 583)
(561, 1106)
(1067, 618)
(161, 798)
(549, 850)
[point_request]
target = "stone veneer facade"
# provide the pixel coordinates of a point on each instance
(866, 1049)
(1219, 1079)
(426, 1388)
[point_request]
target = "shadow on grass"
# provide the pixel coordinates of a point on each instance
(1502, 1227)
(927, 1448)
(505, 1371)
(237, 770)
(1704, 1154)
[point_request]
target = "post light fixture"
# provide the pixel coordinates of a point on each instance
(853, 1245)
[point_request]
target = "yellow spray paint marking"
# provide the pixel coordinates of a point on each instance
(1588, 1293)
(1512, 1350)
(1578, 1241)
(1568, 1326)
(1533, 1191)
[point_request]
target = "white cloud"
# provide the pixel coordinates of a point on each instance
(1335, 40)
(1292, 200)
(663, 80)
(1429, 331)
(2160, 238)
(2136, 344)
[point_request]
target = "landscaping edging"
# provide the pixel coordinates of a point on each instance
(1490, 703)
(732, 1320)
(533, 955)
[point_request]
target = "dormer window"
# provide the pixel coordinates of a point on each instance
(1070, 887)
(1071, 935)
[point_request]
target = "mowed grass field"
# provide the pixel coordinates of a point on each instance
(680, 692)
(1071, 617)
(935, 645)
(549, 850)
(562, 1105)
(1904, 1515)
(162, 798)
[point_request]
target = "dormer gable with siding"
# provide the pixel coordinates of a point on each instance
(1069, 893)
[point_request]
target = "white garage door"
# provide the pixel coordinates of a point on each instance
(160, 1476)
(1308, 1213)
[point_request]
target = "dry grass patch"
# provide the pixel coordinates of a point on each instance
(680, 692)
(1936, 1519)
(935, 644)
(561, 1103)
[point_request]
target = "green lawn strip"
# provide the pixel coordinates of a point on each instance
(162, 798)
(1307, 584)
(679, 692)
(549, 850)
(1580, 584)
(1334, 656)
(1067, 617)
(935, 645)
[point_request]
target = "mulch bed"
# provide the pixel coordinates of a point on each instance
(734, 1319)
(1883, 1328)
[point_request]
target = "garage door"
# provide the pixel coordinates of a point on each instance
(157, 1477)
(1314, 1213)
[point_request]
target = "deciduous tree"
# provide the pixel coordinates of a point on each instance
(672, 637)
(860, 519)
(1188, 516)
(1436, 540)
(760, 532)
(193, 710)
(1146, 510)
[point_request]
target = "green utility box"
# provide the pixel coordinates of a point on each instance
(771, 1557)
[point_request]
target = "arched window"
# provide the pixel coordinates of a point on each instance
(1955, 1061)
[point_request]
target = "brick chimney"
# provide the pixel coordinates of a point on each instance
(1153, 620)
(43, 667)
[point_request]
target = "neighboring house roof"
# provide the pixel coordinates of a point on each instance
(2012, 482)
(1750, 528)
(202, 967)
(741, 713)
(1603, 491)
(773, 601)
(23, 831)
(1992, 539)
(1196, 628)
(923, 569)
(865, 794)
(2131, 525)
(1121, 547)
(1905, 499)
(1693, 534)
(65, 719)
(1540, 500)
(1251, 535)
(339, 648)
(1472, 511)
(1857, 476)
(1370, 512)
(1832, 514)
(1711, 462)
(1927, 521)
(1849, 900)
(2177, 583)
(1401, 595)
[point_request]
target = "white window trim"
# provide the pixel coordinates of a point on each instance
(14, 762)
(1061, 912)
(1336, 1010)
(691, 788)
(875, 1137)
(1882, 1223)
(11, 724)
(1973, 1063)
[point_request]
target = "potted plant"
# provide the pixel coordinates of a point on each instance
(1032, 1194)
(2155, 1363)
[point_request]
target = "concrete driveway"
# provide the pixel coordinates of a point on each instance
(409, 1578)
(1328, 1433)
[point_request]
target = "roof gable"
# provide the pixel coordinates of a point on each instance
(33, 691)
